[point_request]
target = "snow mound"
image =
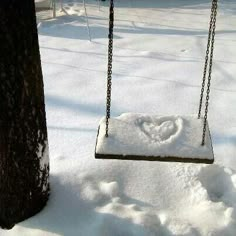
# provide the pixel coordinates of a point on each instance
(99, 192)
(215, 211)
(203, 211)
(93, 205)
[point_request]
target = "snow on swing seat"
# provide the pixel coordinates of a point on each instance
(154, 138)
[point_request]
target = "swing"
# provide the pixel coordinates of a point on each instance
(174, 138)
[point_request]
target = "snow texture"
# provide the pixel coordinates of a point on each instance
(159, 50)
(43, 155)
(150, 135)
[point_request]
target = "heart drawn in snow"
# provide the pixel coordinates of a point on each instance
(159, 130)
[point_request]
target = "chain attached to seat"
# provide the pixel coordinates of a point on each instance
(209, 50)
(109, 69)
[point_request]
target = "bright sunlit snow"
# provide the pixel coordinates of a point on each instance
(159, 51)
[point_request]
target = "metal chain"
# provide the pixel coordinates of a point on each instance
(109, 69)
(206, 60)
(214, 6)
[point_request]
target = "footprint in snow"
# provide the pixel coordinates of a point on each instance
(72, 9)
(108, 200)
(220, 183)
(98, 193)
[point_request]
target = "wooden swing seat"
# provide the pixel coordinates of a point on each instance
(154, 138)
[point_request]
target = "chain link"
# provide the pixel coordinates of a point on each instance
(109, 69)
(213, 26)
(206, 62)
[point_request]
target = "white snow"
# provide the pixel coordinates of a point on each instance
(43, 154)
(152, 135)
(159, 49)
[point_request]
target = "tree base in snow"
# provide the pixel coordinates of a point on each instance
(29, 210)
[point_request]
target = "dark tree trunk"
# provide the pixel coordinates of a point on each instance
(24, 168)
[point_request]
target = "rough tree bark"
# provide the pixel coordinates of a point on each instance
(24, 168)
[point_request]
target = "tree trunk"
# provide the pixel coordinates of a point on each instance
(24, 164)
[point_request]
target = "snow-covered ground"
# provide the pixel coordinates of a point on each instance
(159, 49)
